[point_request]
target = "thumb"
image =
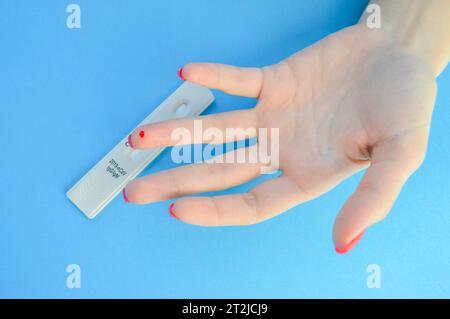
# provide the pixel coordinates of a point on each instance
(391, 165)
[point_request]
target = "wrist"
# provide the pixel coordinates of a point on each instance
(420, 28)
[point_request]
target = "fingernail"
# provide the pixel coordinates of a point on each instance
(180, 74)
(350, 245)
(129, 141)
(171, 211)
(124, 193)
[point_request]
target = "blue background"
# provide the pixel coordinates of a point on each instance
(67, 96)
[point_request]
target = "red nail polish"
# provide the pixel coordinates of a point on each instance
(171, 211)
(125, 196)
(130, 144)
(350, 245)
(141, 134)
(180, 74)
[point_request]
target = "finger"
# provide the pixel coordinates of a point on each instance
(241, 124)
(190, 179)
(264, 201)
(370, 203)
(227, 78)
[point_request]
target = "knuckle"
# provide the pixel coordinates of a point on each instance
(251, 202)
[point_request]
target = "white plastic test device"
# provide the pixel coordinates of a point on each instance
(109, 176)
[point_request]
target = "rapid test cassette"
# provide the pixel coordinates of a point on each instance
(109, 176)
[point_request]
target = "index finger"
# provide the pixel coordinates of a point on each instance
(227, 78)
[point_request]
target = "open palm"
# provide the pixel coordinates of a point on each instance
(351, 101)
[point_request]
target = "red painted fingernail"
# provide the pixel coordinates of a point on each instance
(180, 74)
(350, 245)
(129, 141)
(171, 211)
(125, 196)
(141, 134)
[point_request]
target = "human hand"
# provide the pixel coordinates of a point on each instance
(351, 101)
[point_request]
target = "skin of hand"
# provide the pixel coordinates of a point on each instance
(354, 100)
